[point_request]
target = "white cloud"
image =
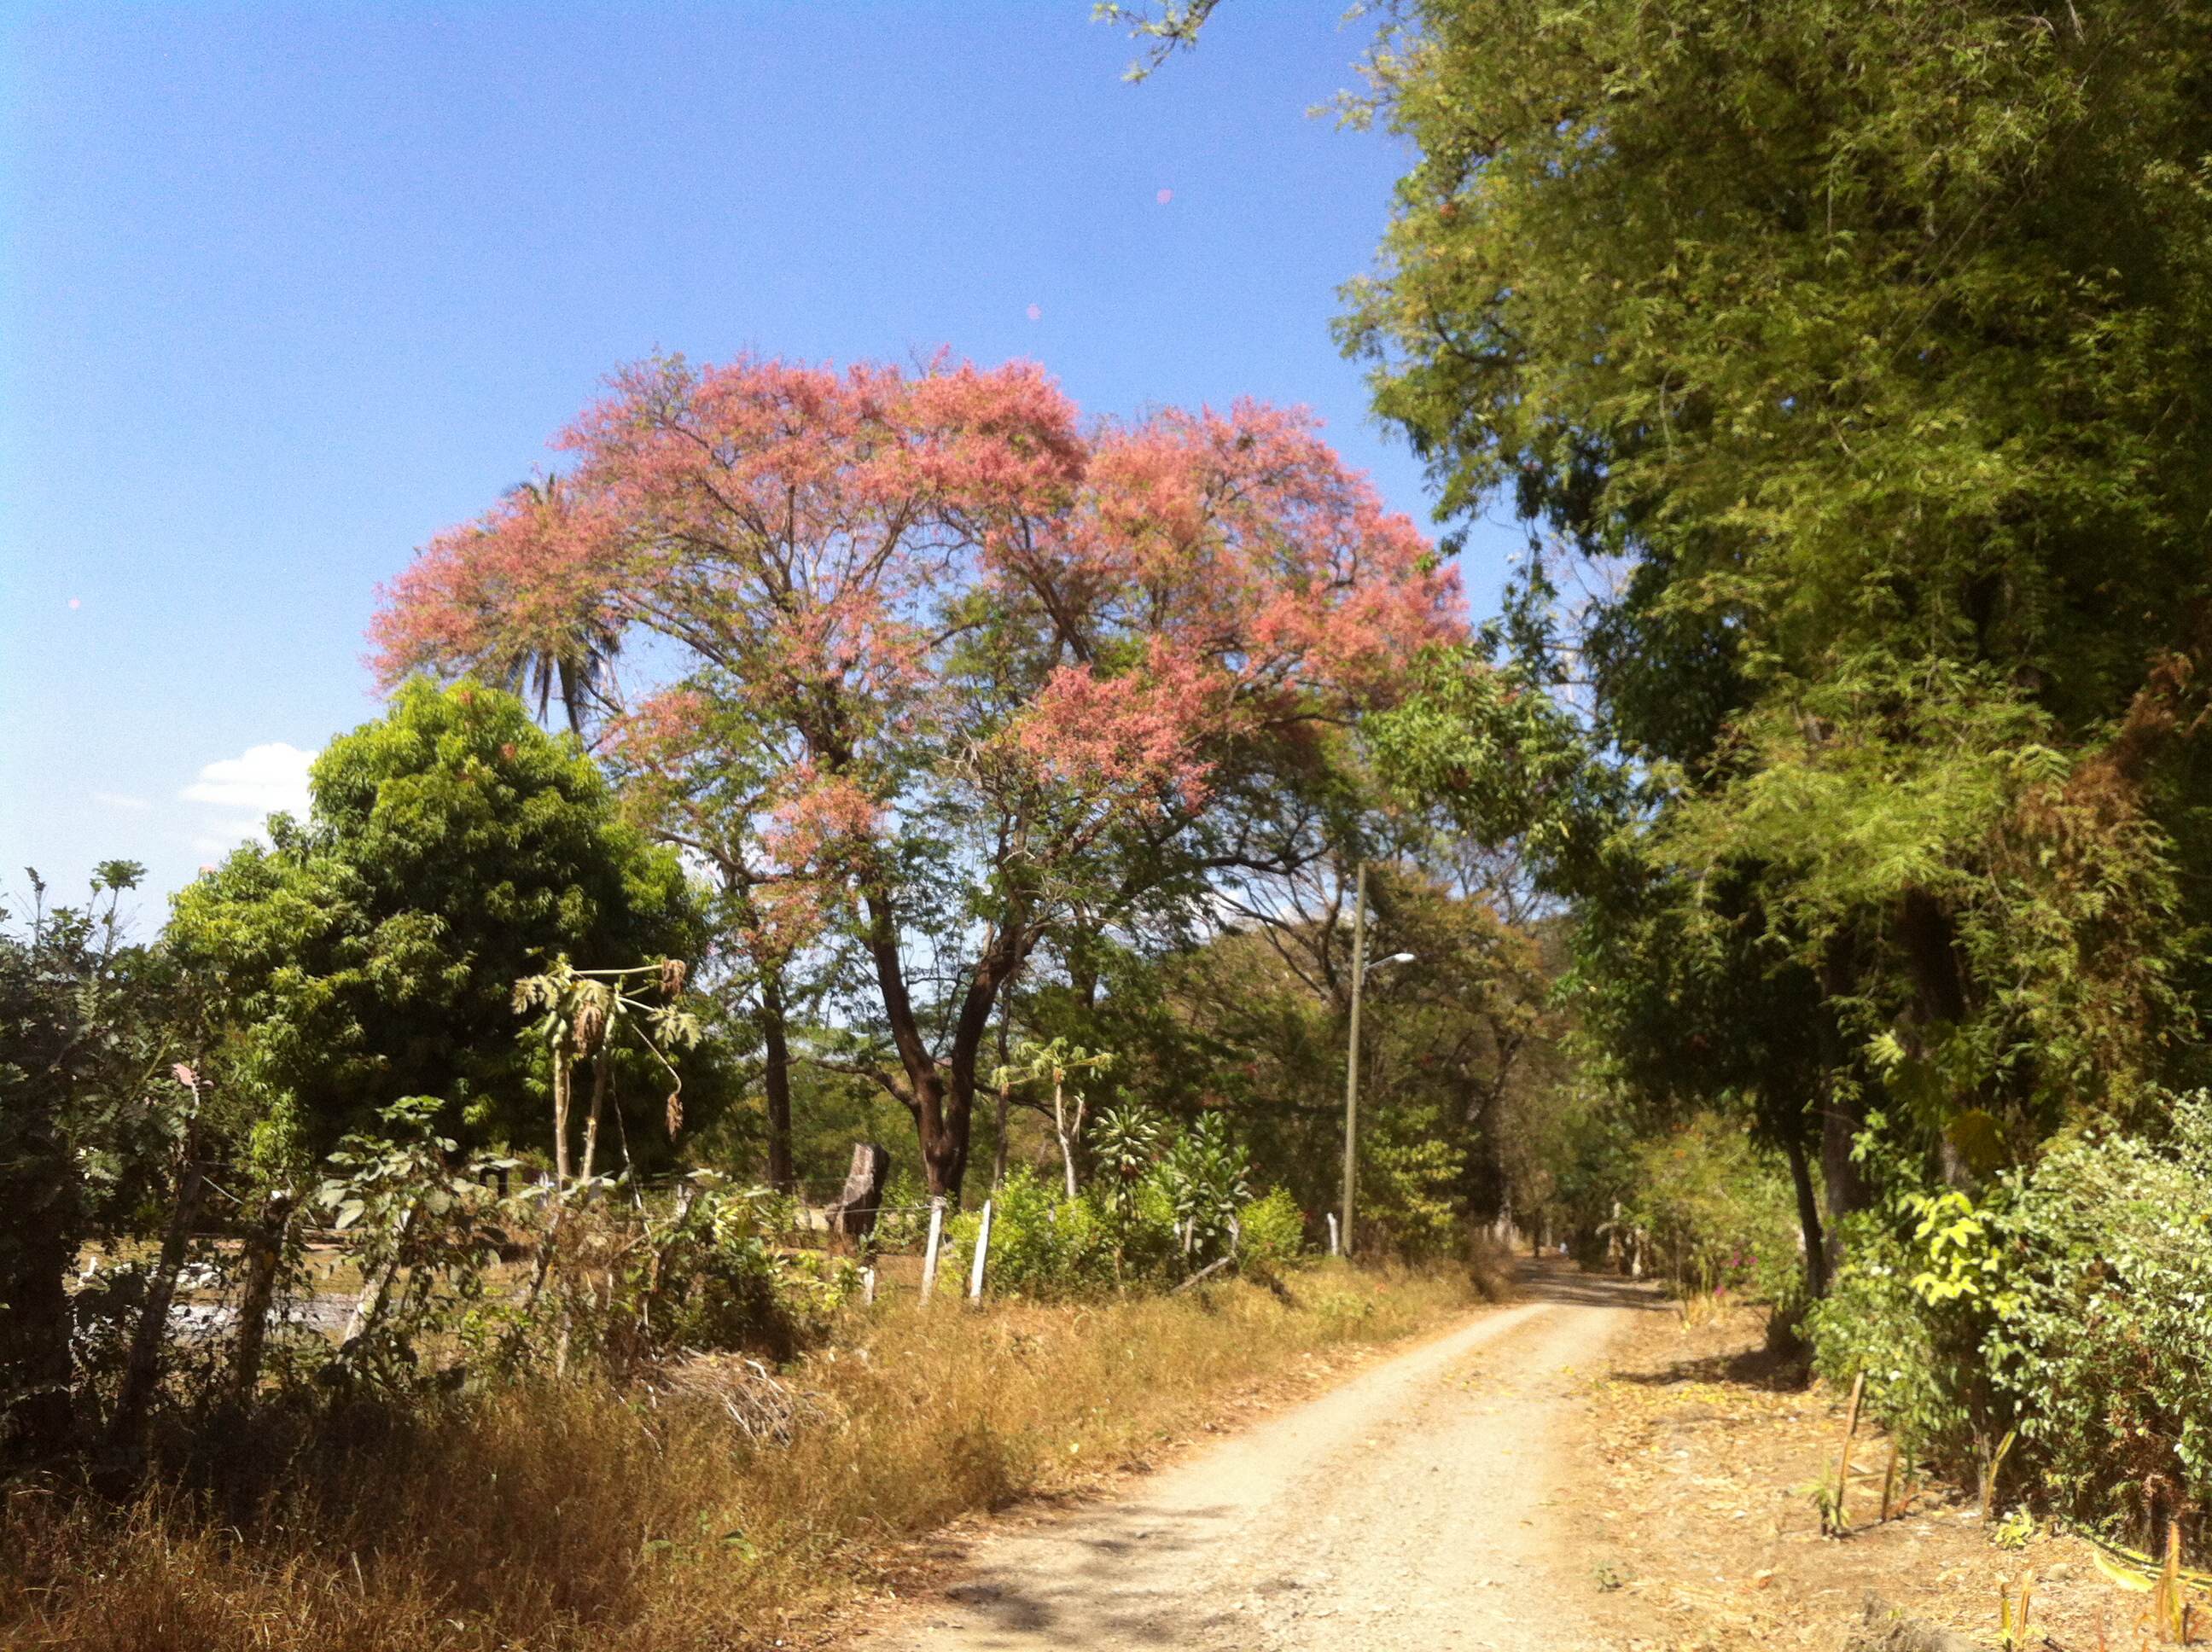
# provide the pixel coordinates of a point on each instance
(121, 800)
(266, 779)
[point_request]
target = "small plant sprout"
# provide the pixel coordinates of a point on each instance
(2015, 1602)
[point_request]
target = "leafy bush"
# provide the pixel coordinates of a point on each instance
(902, 1223)
(1203, 1174)
(2072, 1304)
(623, 1286)
(1721, 1214)
(1272, 1231)
(1041, 1245)
(1141, 1223)
(1410, 1204)
(1125, 1141)
(2104, 1330)
(1925, 1381)
(407, 1218)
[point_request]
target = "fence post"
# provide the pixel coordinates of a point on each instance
(263, 1253)
(982, 1250)
(936, 1237)
(1332, 1233)
(868, 1287)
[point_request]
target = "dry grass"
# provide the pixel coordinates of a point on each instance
(557, 1516)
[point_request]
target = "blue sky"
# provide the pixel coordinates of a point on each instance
(282, 292)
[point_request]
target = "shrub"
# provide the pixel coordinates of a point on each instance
(1041, 1245)
(2104, 1331)
(903, 1222)
(1720, 1213)
(624, 1286)
(2071, 1304)
(1410, 1176)
(1925, 1382)
(1203, 1175)
(1272, 1231)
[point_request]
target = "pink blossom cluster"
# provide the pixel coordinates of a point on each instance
(881, 562)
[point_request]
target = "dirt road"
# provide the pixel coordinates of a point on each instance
(1411, 1509)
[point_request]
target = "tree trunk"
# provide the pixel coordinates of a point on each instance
(1067, 1136)
(1809, 1208)
(943, 1132)
(264, 1251)
(1005, 1091)
(773, 1018)
(1843, 1110)
(854, 1215)
(1929, 936)
(602, 1072)
(142, 1366)
(941, 1095)
(564, 1080)
(1932, 953)
(776, 1079)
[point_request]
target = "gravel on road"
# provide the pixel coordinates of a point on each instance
(1419, 1506)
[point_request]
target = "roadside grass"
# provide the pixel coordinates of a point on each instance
(563, 1516)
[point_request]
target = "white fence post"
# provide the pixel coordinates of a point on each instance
(1332, 1233)
(936, 1237)
(868, 1287)
(982, 1250)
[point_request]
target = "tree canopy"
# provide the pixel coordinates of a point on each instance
(1850, 366)
(956, 670)
(369, 953)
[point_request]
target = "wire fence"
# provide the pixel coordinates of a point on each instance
(893, 1252)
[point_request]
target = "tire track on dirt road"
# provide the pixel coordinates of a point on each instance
(1415, 1507)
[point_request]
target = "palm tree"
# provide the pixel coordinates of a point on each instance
(578, 663)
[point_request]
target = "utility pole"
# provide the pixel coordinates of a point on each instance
(1359, 968)
(1351, 1058)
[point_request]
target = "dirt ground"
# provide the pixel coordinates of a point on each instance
(1580, 1470)
(1699, 1524)
(1418, 1505)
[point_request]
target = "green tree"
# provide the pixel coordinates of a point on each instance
(86, 1032)
(370, 953)
(1857, 357)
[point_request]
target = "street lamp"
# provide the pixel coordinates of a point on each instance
(1359, 968)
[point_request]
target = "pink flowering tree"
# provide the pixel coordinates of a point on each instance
(941, 665)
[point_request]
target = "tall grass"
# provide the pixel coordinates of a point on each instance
(558, 1516)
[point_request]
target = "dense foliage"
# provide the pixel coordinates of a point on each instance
(91, 1117)
(2066, 1309)
(1849, 368)
(370, 952)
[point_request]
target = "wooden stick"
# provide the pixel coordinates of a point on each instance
(1214, 1266)
(1844, 1458)
(2169, 1598)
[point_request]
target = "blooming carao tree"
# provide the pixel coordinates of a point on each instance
(941, 661)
